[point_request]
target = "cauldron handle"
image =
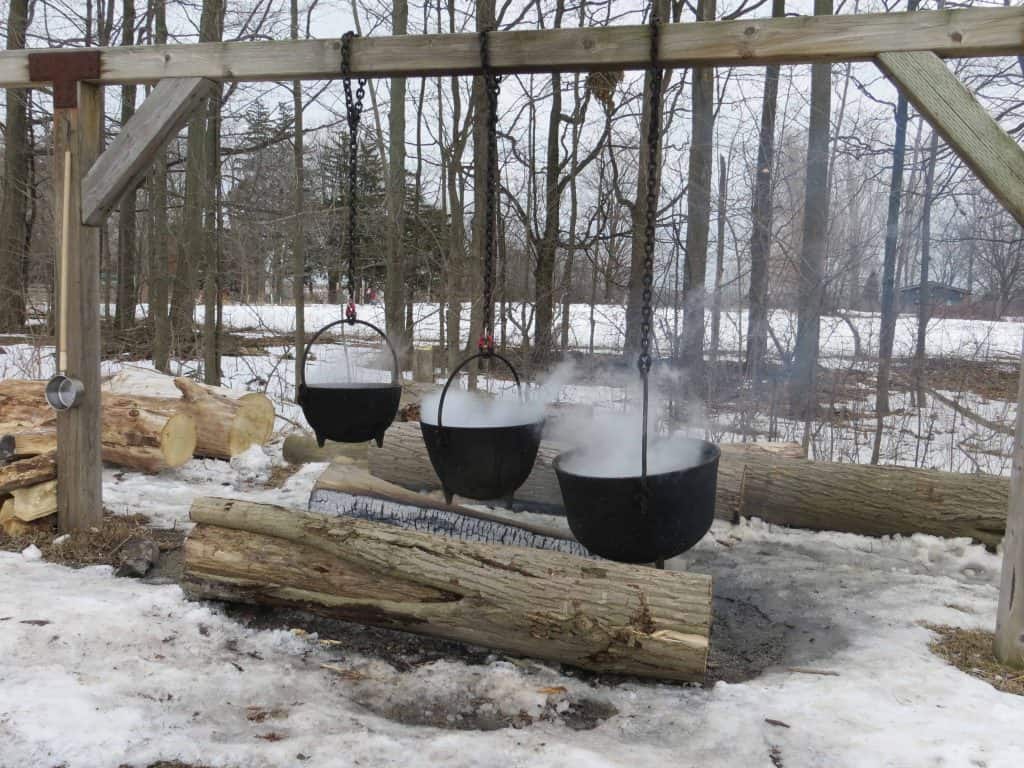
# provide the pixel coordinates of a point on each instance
(395, 374)
(444, 392)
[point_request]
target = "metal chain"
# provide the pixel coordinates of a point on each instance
(492, 87)
(353, 114)
(653, 140)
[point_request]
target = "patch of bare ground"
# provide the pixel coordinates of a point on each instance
(970, 651)
(991, 379)
(102, 545)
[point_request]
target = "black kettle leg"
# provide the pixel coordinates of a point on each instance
(320, 440)
(448, 495)
(380, 440)
(509, 501)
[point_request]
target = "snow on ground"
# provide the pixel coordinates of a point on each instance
(97, 671)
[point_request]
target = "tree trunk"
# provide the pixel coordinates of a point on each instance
(127, 283)
(14, 207)
(761, 215)
(544, 273)
(698, 221)
(924, 291)
(299, 204)
(395, 257)
(716, 302)
(804, 376)
(638, 211)
(887, 331)
(622, 619)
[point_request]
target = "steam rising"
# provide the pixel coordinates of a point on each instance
(603, 442)
(609, 443)
(469, 409)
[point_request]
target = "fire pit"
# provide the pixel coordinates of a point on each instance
(349, 412)
(481, 462)
(605, 512)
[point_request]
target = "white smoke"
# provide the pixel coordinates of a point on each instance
(472, 409)
(606, 443)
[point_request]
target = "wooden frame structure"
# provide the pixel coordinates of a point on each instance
(907, 47)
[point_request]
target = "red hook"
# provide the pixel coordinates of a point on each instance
(350, 311)
(486, 344)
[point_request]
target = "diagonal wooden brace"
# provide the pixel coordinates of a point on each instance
(65, 69)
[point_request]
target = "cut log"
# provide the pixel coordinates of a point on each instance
(12, 526)
(601, 616)
(35, 501)
(28, 442)
(302, 449)
(228, 421)
(226, 426)
(346, 489)
(149, 434)
(876, 501)
(403, 461)
(26, 472)
(143, 439)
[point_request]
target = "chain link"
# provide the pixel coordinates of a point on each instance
(653, 140)
(353, 114)
(492, 88)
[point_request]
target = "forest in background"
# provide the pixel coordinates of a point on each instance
(813, 189)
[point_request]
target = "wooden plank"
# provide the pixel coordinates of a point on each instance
(965, 125)
(1009, 637)
(126, 161)
(79, 467)
(742, 42)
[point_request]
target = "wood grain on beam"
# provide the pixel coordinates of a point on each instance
(852, 37)
(77, 139)
(126, 161)
(965, 125)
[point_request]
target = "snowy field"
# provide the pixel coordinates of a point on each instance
(947, 337)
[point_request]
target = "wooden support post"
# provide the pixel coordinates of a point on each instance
(77, 140)
(126, 161)
(1009, 640)
(965, 125)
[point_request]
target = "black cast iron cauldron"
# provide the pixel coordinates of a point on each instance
(605, 514)
(481, 462)
(351, 412)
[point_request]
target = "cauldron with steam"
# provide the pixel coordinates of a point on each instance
(481, 462)
(637, 518)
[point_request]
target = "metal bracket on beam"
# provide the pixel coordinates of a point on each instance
(65, 69)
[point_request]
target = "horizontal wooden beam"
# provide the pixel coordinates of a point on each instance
(794, 40)
(126, 161)
(964, 123)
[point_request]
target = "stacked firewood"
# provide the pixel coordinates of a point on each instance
(151, 423)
